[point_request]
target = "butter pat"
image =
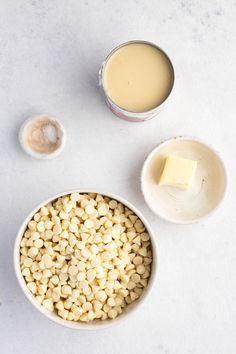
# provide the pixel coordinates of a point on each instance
(178, 172)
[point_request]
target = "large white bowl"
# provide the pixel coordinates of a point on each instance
(97, 324)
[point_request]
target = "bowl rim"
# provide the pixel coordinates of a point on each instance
(209, 147)
(81, 325)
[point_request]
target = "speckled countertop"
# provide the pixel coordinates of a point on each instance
(50, 53)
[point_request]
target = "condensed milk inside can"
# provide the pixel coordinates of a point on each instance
(137, 78)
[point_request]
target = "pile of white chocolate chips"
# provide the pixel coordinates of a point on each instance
(86, 257)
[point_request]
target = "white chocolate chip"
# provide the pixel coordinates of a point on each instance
(48, 304)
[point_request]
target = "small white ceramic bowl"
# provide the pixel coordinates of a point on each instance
(206, 192)
(60, 136)
(96, 324)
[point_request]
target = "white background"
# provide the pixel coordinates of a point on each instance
(50, 53)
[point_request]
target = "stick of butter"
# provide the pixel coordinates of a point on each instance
(178, 172)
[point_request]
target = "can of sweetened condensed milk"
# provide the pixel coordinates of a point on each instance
(137, 78)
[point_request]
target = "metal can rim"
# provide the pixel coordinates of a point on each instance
(101, 73)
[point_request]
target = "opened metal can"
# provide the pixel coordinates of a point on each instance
(136, 116)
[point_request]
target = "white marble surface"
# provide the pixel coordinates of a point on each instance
(50, 53)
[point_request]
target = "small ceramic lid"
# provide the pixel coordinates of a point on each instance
(42, 136)
(203, 196)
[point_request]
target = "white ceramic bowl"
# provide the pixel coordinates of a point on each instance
(206, 192)
(61, 135)
(96, 324)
